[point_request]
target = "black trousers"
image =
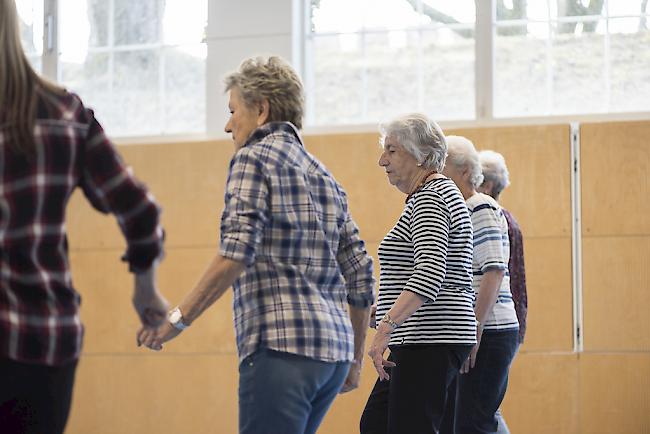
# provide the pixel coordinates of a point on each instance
(35, 399)
(413, 400)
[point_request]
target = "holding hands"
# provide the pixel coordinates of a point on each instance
(149, 304)
(153, 338)
(152, 309)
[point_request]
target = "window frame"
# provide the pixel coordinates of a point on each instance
(485, 30)
(51, 66)
(299, 30)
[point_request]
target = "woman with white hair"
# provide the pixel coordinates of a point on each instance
(425, 294)
(484, 375)
(495, 179)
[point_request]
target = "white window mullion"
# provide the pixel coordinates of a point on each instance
(161, 71)
(420, 62)
(213, 88)
(607, 55)
(303, 40)
(51, 40)
(364, 76)
(111, 46)
(549, 62)
(484, 59)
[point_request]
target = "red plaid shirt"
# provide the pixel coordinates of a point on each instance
(517, 273)
(39, 307)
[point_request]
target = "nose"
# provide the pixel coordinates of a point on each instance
(382, 160)
(227, 128)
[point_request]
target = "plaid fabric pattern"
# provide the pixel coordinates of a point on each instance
(287, 219)
(517, 272)
(39, 320)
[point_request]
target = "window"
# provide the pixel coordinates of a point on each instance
(141, 65)
(371, 60)
(374, 59)
(30, 14)
(569, 57)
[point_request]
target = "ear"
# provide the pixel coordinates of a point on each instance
(487, 186)
(263, 112)
(467, 174)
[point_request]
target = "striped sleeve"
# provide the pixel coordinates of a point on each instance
(429, 227)
(488, 238)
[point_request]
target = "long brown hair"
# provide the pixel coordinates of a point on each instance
(18, 83)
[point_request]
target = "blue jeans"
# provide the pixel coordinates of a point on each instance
(286, 393)
(481, 391)
(501, 421)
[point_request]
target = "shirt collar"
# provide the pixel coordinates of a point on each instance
(270, 128)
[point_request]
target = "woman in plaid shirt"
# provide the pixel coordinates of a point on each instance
(300, 273)
(50, 144)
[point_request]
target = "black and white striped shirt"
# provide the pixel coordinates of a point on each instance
(429, 252)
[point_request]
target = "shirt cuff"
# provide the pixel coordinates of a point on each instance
(237, 250)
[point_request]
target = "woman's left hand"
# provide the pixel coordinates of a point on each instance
(377, 350)
(471, 360)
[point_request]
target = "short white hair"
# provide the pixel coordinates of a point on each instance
(463, 154)
(495, 170)
(420, 136)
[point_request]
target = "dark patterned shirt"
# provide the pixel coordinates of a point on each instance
(39, 319)
(517, 273)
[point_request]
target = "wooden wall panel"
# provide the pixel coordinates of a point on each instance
(616, 279)
(538, 159)
(615, 182)
(111, 323)
(542, 394)
(155, 393)
(353, 160)
(345, 413)
(615, 393)
(187, 180)
(550, 294)
(549, 389)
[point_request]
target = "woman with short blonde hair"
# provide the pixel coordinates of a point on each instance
(301, 276)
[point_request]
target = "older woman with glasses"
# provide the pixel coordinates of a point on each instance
(425, 294)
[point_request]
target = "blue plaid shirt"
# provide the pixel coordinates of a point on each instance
(287, 219)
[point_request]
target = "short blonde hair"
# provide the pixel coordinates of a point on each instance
(495, 170)
(273, 79)
(421, 137)
(462, 154)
